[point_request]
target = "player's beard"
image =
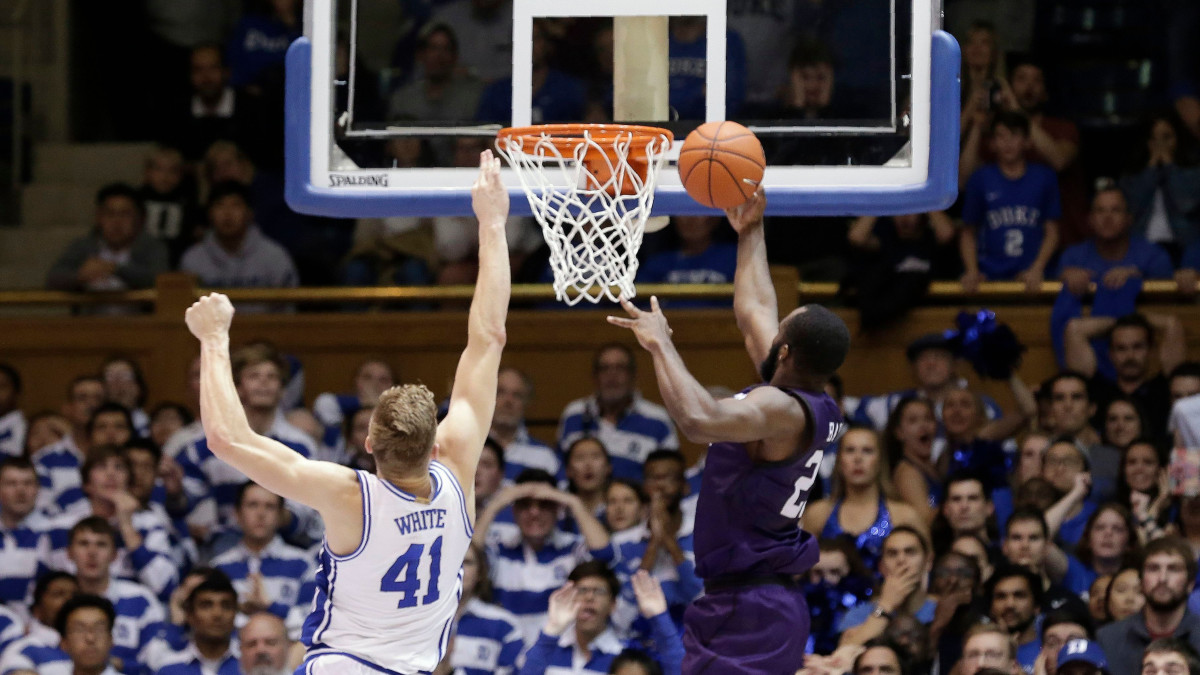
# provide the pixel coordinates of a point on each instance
(265, 670)
(766, 369)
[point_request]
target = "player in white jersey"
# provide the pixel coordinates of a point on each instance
(391, 564)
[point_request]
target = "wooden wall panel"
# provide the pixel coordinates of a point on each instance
(554, 347)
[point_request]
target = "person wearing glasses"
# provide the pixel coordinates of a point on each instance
(527, 568)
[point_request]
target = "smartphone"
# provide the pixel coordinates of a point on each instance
(1183, 473)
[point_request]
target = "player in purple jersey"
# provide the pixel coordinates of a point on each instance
(765, 449)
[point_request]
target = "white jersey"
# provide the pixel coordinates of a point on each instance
(391, 602)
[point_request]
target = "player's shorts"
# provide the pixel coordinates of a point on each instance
(326, 663)
(758, 626)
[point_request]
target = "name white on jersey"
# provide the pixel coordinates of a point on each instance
(392, 601)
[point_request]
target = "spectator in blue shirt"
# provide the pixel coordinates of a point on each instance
(23, 528)
(1014, 599)
(698, 259)
(514, 391)
(1011, 211)
(1114, 255)
(577, 635)
(557, 97)
(86, 625)
(261, 39)
(688, 68)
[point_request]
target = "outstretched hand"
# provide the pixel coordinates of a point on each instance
(749, 215)
(489, 197)
(649, 593)
(650, 327)
(210, 317)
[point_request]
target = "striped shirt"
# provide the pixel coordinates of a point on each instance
(23, 550)
(486, 640)
(680, 584)
(205, 475)
(57, 467)
(560, 655)
(12, 433)
(12, 627)
(643, 428)
(332, 410)
(152, 564)
(37, 651)
(557, 655)
(526, 452)
(523, 578)
(189, 662)
(140, 619)
(182, 438)
(287, 574)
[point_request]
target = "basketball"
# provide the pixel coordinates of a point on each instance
(716, 161)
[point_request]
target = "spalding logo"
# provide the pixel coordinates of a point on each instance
(358, 180)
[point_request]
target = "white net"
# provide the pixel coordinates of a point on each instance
(591, 191)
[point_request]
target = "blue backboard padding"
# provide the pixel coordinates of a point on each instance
(937, 192)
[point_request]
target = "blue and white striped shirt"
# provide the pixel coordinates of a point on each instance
(523, 578)
(152, 564)
(526, 452)
(23, 550)
(486, 640)
(680, 584)
(57, 467)
(555, 655)
(189, 662)
(37, 651)
(12, 433)
(643, 428)
(140, 619)
(287, 574)
(205, 475)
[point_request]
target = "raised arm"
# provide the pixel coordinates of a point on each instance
(764, 413)
(1006, 426)
(461, 434)
(754, 303)
(1077, 339)
(1172, 349)
(265, 461)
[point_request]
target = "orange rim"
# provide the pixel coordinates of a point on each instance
(566, 137)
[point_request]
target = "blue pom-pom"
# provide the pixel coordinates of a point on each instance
(991, 347)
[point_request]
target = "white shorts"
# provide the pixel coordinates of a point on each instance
(332, 663)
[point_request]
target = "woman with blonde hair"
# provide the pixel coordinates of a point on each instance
(863, 505)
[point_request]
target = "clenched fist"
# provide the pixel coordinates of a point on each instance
(210, 316)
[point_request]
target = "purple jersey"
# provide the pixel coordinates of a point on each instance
(748, 513)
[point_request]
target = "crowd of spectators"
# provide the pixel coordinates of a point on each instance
(954, 535)
(1031, 207)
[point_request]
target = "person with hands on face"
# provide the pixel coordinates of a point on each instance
(1066, 467)
(904, 565)
(577, 637)
(145, 552)
(527, 569)
(765, 450)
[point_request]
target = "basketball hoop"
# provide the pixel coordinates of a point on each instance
(591, 188)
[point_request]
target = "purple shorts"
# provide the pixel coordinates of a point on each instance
(752, 629)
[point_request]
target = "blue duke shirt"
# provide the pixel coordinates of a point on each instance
(1009, 216)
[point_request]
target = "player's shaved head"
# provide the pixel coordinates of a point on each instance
(403, 426)
(817, 341)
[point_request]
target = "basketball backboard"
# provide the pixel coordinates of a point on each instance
(856, 103)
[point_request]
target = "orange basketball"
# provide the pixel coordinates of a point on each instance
(716, 161)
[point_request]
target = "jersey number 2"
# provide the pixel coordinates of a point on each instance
(402, 577)
(794, 508)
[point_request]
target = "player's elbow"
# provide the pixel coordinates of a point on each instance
(491, 335)
(696, 429)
